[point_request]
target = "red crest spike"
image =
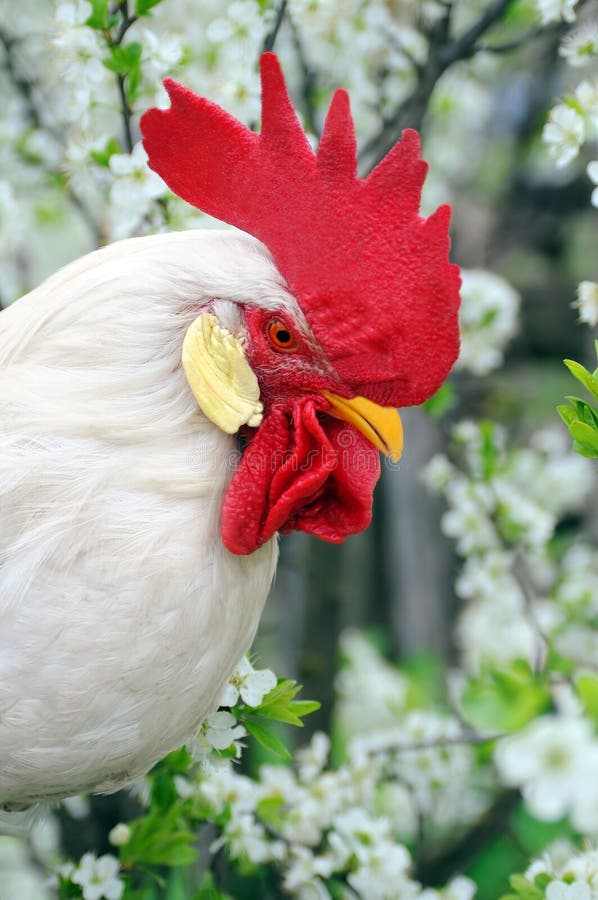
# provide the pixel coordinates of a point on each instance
(372, 277)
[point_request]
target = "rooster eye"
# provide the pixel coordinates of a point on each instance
(280, 337)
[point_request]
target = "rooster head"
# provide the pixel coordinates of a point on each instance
(372, 318)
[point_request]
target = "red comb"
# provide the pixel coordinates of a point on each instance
(371, 276)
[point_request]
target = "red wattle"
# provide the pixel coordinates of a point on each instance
(300, 472)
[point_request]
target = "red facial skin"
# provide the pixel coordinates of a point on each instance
(302, 469)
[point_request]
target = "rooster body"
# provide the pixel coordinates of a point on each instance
(137, 532)
(121, 612)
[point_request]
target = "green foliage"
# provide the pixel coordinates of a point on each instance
(267, 739)
(102, 157)
(279, 705)
(441, 402)
(161, 838)
(100, 15)
(586, 684)
(144, 7)
(581, 417)
(507, 699)
(125, 60)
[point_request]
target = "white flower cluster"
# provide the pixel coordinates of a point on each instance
(574, 121)
(572, 874)
(78, 106)
(556, 10)
(435, 782)
(384, 49)
(571, 123)
(586, 302)
(554, 761)
(220, 730)
(488, 319)
(503, 508)
(98, 877)
(315, 823)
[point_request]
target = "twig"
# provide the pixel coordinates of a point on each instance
(126, 111)
(465, 46)
(270, 38)
(510, 46)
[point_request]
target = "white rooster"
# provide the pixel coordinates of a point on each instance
(137, 533)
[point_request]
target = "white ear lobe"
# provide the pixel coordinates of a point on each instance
(219, 375)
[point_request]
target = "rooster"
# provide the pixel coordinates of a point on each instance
(168, 404)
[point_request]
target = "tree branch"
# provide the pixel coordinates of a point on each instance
(270, 38)
(442, 54)
(465, 46)
(126, 112)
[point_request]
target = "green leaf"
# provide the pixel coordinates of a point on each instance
(269, 810)
(160, 838)
(280, 713)
(124, 58)
(441, 402)
(99, 14)
(143, 7)
(585, 438)
(524, 888)
(102, 157)
(279, 705)
(305, 707)
(505, 700)
(285, 689)
(268, 740)
(208, 890)
(567, 413)
(586, 685)
(581, 373)
(489, 451)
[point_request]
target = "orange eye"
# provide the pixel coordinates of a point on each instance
(280, 337)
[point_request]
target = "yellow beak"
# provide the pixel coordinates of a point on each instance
(381, 425)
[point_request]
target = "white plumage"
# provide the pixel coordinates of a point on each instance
(121, 612)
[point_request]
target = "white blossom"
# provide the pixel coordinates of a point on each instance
(119, 835)
(312, 759)
(244, 836)
(219, 731)
(556, 10)
(161, 53)
(134, 188)
(586, 96)
(251, 684)
(564, 133)
(562, 890)
(98, 877)
(552, 761)
(71, 14)
(580, 46)
(587, 291)
(488, 318)
(81, 56)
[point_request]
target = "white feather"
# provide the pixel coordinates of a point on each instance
(121, 613)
